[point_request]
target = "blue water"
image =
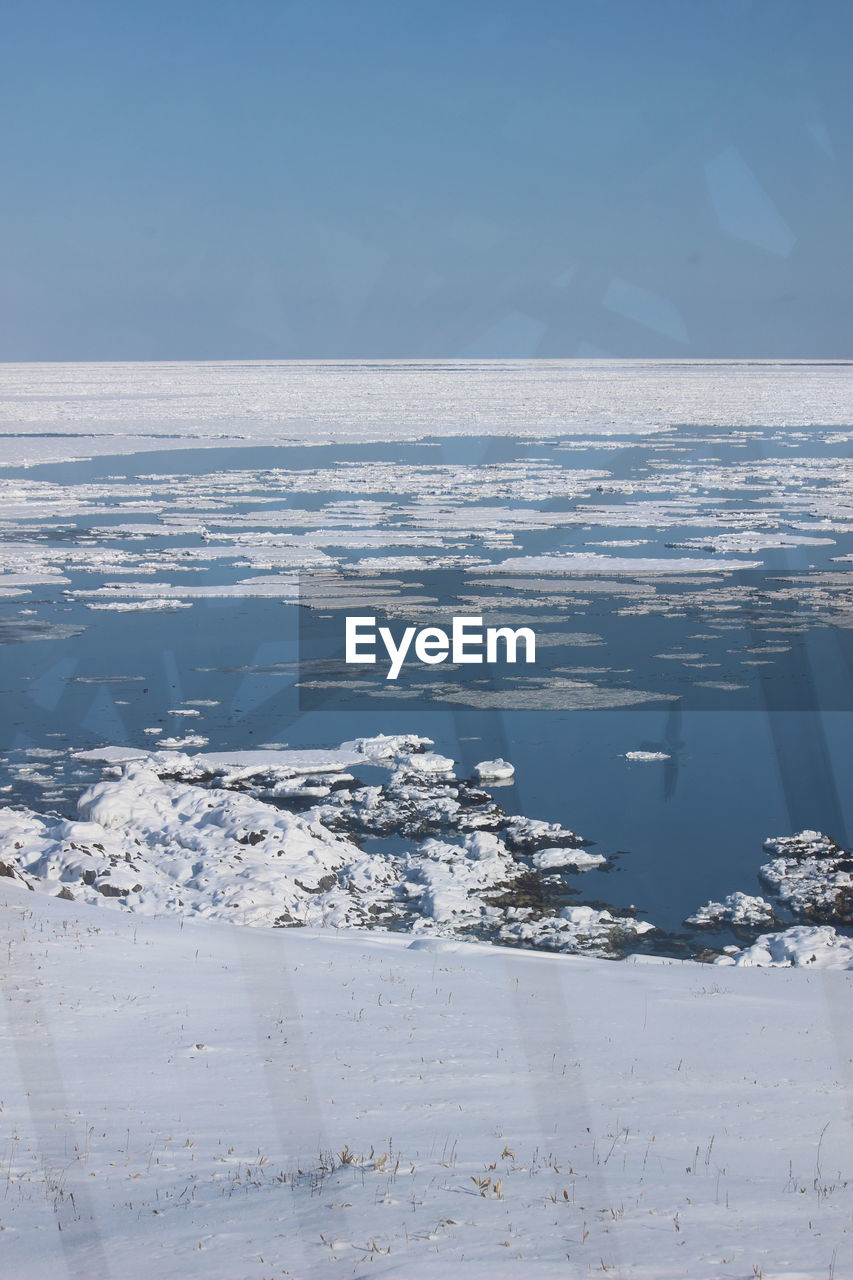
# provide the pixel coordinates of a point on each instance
(679, 833)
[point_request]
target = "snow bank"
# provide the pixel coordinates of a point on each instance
(448, 880)
(159, 846)
(210, 1101)
(574, 929)
(820, 947)
(206, 836)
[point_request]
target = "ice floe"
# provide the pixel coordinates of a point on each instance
(557, 859)
(494, 771)
(585, 562)
(135, 606)
(188, 740)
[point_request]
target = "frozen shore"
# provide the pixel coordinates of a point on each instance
(216, 835)
(374, 1093)
(281, 837)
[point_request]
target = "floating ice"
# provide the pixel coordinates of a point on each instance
(188, 740)
(429, 762)
(494, 771)
(135, 606)
(587, 562)
(557, 859)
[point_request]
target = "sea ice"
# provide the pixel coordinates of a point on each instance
(736, 908)
(812, 876)
(494, 771)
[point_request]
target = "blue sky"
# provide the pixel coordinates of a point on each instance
(206, 179)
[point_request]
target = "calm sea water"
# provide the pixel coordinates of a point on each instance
(680, 832)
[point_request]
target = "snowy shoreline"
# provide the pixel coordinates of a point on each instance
(283, 837)
(451, 1066)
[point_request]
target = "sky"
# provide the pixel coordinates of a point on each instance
(207, 179)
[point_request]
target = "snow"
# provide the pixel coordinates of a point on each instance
(821, 947)
(53, 412)
(185, 1095)
(166, 846)
(430, 762)
(409, 1102)
(593, 562)
(208, 1100)
(812, 876)
(135, 606)
(156, 836)
(494, 771)
(736, 908)
(557, 859)
(574, 929)
(188, 740)
(448, 879)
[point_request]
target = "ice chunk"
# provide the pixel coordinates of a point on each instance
(428, 762)
(737, 908)
(577, 859)
(494, 770)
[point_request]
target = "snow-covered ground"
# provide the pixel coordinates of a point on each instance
(184, 1095)
(204, 1099)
